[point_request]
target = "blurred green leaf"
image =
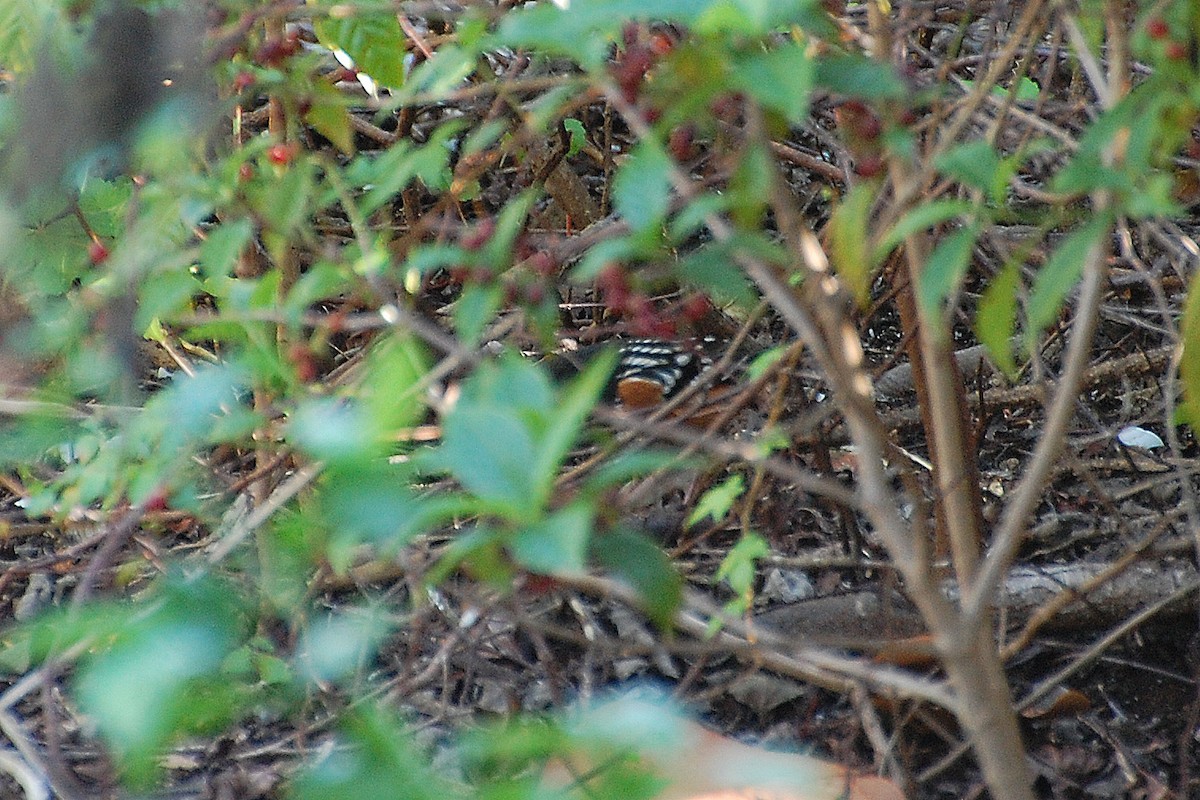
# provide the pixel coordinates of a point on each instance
(336, 645)
(578, 135)
(712, 269)
(330, 117)
(395, 367)
(644, 566)
(332, 430)
(475, 308)
(975, 164)
(780, 78)
(945, 269)
(1189, 363)
(1059, 275)
(564, 425)
(160, 676)
(374, 759)
(717, 501)
(848, 240)
(996, 320)
(858, 76)
(490, 451)
(223, 246)
(919, 218)
(642, 186)
(556, 544)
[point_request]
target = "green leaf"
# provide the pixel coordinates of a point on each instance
(712, 269)
(780, 78)
(750, 185)
(1189, 363)
(475, 308)
(490, 451)
(762, 362)
(374, 41)
(717, 501)
(578, 135)
(944, 270)
(169, 293)
(611, 251)
(859, 76)
(574, 406)
(394, 369)
(332, 648)
(367, 502)
(973, 163)
(626, 466)
(739, 566)
(105, 204)
(330, 430)
(330, 117)
(153, 681)
(321, 281)
(747, 17)
(510, 222)
(642, 186)
(23, 28)
(1061, 272)
(556, 544)
(644, 566)
(849, 243)
(996, 322)
(373, 758)
(918, 219)
(219, 252)
(438, 76)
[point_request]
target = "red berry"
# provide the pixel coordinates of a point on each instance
(478, 235)
(245, 171)
(682, 143)
(858, 120)
(156, 501)
(282, 154)
(630, 33)
(274, 51)
(613, 279)
(304, 362)
(511, 293)
(1177, 51)
(536, 584)
(661, 43)
(1157, 28)
(868, 166)
(727, 107)
(542, 264)
(696, 307)
(97, 252)
(243, 81)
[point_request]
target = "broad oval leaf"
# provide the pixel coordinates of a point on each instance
(642, 187)
(1061, 272)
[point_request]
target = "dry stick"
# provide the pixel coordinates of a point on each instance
(814, 665)
(1046, 685)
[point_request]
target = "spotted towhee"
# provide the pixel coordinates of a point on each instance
(647, 371)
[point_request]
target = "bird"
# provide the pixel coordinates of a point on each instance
(647, 371)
